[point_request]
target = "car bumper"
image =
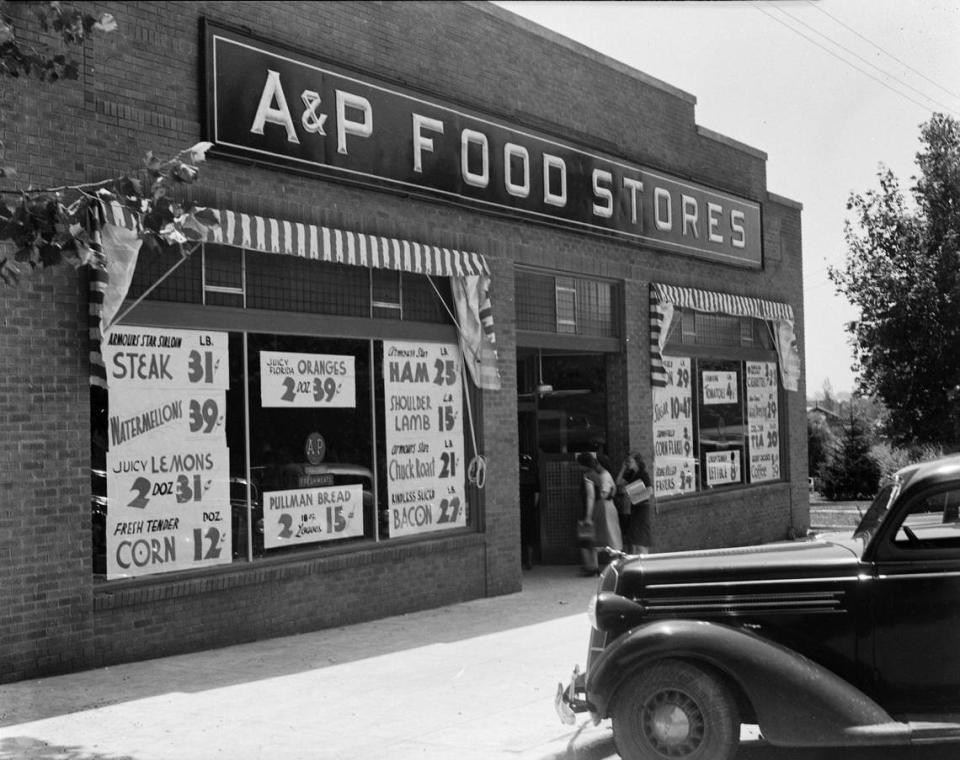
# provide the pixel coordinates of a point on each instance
(571, 699)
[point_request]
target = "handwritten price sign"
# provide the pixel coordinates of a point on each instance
(423, 394)
(290, 380)
(165, 417)
(171, 478)
(153, 358)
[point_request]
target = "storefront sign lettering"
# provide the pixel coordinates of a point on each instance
(269, 103)
(423, 392)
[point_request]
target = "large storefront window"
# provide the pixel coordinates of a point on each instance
(215, 447)
(716, 421)
(715, 425)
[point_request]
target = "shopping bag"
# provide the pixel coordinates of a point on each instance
(585, 534)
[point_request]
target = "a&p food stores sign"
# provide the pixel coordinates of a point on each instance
(276, 105)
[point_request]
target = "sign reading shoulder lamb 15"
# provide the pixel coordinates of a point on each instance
(168, 465)
(273, 104)
(423, 396)
(763, 421)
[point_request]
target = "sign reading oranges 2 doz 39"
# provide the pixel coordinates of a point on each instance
(270, 103)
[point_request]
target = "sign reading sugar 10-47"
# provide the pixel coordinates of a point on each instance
(270, 103)
(168, 465)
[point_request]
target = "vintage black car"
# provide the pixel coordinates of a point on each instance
(838, 640)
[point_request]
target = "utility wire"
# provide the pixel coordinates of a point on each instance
(882, 50)
(844, 60)
(861, 58)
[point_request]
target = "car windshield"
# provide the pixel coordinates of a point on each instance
(877, 512)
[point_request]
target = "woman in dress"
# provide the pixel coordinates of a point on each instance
(639, 533)
(599, 509)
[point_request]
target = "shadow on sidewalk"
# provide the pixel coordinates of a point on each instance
(548, 593)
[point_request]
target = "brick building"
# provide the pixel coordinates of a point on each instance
(437, 237)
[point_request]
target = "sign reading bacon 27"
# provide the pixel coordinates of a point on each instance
(271, 103)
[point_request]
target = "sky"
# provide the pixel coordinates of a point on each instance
(830, 90)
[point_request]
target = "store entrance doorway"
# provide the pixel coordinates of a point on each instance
(561, 411)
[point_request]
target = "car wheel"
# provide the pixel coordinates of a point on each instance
(673, 709)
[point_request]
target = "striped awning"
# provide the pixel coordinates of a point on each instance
(721, 303)
(468, 271)
(664, 299)
(319, 243)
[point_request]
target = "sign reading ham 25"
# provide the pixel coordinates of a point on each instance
(276, 105)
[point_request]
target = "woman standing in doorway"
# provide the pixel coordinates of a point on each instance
(599, 509)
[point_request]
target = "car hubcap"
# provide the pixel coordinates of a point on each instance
(672, 723)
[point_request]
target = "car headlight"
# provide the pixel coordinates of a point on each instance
(592, 611)
(614, 612)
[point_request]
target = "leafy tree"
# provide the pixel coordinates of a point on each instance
(851, 472)
(903, 272)
(68, 24)
(43, 227)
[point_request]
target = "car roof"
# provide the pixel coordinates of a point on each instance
(932, 472)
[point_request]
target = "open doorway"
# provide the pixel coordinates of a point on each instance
(561, 411)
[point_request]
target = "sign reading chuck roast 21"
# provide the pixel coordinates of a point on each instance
(168, 464)
(274, 104)
(423, 399)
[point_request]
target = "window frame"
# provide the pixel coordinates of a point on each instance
(683, 341)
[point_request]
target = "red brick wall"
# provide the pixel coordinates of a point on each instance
(141, 91)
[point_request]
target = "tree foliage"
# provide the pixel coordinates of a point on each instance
(851, 472)
(902, 271)
(68, 24)
(820, 442)
(47, 226)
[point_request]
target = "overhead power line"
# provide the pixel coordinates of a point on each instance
(861, 58)
(920, 74)
(839, 57)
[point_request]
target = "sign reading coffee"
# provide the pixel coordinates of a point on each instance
(273, 104)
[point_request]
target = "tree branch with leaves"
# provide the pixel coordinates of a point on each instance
(47, 226)
(902, 272)
(67, 23)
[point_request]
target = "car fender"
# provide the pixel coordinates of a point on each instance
(797, 702)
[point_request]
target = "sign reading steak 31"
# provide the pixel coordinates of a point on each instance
(270, 103)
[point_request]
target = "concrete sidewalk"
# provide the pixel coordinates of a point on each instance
(473, 680)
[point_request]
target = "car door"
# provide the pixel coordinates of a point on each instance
(916, 605)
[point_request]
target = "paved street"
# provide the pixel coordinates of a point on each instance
(472, 681)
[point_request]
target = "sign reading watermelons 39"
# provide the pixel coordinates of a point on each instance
(423, 399)
(168, 465)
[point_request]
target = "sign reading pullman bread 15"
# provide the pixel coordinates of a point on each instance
(275, 104)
